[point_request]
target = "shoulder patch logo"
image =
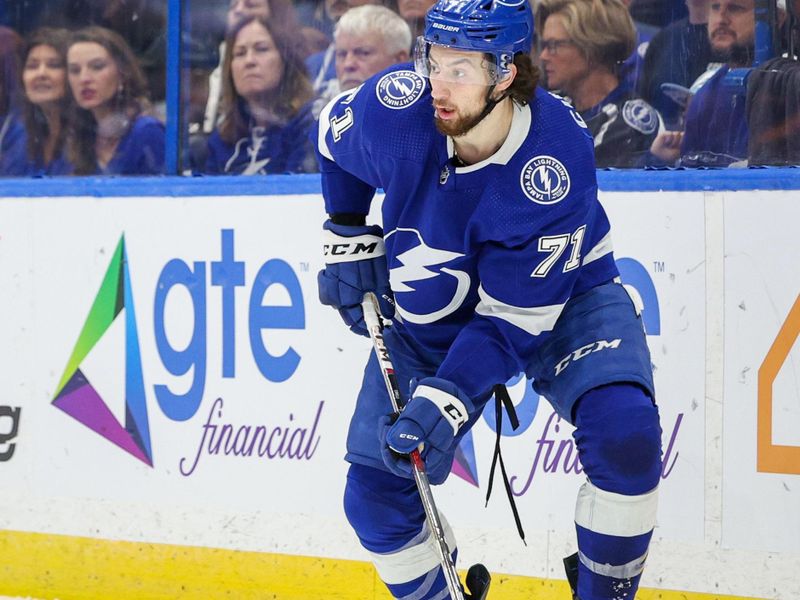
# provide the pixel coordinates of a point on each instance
(400, 89)
(544, 180)
(640, 115)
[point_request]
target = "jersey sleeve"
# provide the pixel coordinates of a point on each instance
(348, 181)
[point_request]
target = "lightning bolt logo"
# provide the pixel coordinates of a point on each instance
(402, 86)
(400, 89)
(545, 180)
(416, 264)
(543, 175)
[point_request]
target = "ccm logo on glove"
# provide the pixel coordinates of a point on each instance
(452, 409)
(349, 249)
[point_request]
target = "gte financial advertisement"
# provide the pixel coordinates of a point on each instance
(175, 351)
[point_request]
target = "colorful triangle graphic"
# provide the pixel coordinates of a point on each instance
(464, 460)
(75, 394)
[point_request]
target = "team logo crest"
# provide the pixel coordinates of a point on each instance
(400, 89)
(426, 281)
(639, 115)
(545, 180)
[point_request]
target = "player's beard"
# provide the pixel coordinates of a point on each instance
(460, 126)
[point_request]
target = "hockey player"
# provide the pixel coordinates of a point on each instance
(495, 258)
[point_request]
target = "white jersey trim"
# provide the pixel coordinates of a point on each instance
(615, 514)
(520, 125)
(534, 319)
(601, 248)
(413, 561)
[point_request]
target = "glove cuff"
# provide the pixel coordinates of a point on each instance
(347, 243)
(452, 403)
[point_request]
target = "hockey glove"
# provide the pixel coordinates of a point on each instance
(430, 421)
(355, 263)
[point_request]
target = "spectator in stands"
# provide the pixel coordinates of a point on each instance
(716, 133)
(322, 65)
(11, 129)
(582, 43)
(414, 11)
(141, 23)
(266, 103)
(109, 130)
(368, 39)
(677, 55)
(279, 11)
(44, 104)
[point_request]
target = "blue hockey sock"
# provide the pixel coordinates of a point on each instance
(387, 515)
(619, 440)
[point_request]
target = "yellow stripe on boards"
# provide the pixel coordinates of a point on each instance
(77, 568)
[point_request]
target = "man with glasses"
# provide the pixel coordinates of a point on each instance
(496, 260)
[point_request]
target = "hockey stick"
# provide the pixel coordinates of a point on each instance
(477, 577)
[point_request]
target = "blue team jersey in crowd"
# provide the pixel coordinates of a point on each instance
(140, 151)
(15, 161)
(12, 144)
(716, 125)
(489, 253)
(623, 127)
(274, 149)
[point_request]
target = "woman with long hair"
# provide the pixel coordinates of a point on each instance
(44, 103)
(266, 103)
(280, 11)
(110, 130)
(11, 128)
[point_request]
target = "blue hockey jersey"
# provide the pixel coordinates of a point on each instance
(140, 151)
(482, 258)
(275, 149)
(716, 132)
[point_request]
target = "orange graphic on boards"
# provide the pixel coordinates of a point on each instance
(773, 458)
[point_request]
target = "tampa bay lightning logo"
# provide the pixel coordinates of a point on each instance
(544, 180)
(424, 289)
(400, 89)
(640, 115)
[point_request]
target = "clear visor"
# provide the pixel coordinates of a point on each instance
(443, 63)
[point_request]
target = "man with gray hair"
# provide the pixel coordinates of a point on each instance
(367, 39)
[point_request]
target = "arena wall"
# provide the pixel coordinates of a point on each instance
(175, 400)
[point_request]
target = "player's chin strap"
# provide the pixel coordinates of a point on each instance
(490, 104)
(501, 399)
